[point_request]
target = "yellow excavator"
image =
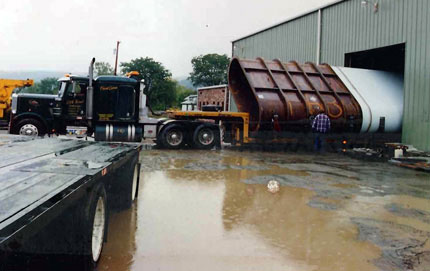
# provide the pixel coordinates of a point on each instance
(7, 86)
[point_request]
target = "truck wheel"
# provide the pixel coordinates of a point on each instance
(30, 127)
(173, 137)
(204, 137)
(94, 224)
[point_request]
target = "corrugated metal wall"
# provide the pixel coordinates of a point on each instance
(286, 42)
(349, 27)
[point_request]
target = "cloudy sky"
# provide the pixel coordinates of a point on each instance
(63, 35)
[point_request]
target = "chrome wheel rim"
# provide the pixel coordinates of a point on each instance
(29, 130)
(206, 136)
(98, 230)
(174, 137)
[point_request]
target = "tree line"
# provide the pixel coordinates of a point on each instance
(162, 91)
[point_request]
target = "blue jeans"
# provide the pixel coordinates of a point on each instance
(319, 142)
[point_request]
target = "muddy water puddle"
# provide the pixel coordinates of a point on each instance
(212, 211)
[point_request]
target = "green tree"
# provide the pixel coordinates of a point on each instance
(209, 70)
(181, 93)
(103, 68)
(47, 85)
(159, 88)
(165, 97)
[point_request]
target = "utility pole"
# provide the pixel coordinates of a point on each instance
(116, 57)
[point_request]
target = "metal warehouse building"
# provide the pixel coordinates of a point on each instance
(391, 35)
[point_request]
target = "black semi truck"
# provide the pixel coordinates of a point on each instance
(266, 93)
(113, 108)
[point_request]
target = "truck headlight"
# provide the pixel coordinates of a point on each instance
(14, 103)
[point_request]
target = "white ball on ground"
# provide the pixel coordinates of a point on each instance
(273, 186)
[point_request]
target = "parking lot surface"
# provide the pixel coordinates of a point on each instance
(211, 210)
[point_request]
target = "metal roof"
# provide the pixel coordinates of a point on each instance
(335, 2)
(212, 87)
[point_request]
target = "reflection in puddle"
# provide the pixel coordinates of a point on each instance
(196, 212)
(119, 251)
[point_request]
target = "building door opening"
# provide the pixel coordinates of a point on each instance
(390, 58)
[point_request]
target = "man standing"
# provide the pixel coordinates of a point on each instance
(320, 127)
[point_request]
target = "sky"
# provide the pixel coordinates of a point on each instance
(54, 35)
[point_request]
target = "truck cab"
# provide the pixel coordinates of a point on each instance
(32, 114)
(69, 107)
(112, 108)
(39, 114)
(114, 105)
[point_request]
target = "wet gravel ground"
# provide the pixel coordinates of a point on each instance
(211, 210)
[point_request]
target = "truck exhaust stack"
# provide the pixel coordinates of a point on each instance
(90, 91)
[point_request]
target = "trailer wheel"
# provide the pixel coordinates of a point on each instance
(135, 182)
(173, 137)
(30, 127)
(204, 137)
(95, 218)
(123, 186)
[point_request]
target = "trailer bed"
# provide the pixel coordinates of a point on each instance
(40, 178)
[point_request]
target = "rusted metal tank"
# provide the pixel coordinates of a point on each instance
(292, 94)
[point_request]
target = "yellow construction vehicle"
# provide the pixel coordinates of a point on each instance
(7, 86)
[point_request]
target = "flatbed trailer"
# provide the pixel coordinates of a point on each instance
(238, 120)
(235, 130)
(63, 185)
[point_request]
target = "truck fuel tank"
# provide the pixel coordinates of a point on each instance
(118, 132)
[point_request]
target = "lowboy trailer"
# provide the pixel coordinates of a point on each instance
(277, 102)
(56, 195)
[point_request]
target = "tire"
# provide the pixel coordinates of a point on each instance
(66, 243)
(135, 183)
(173, 137)
(205, 137)
(94, 225)
(30, 127)
(123, 186)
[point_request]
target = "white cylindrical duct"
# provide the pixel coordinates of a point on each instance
(380, 95)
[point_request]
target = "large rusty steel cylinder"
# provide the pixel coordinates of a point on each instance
(292, 94)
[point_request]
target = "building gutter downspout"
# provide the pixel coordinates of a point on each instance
(319, 37)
